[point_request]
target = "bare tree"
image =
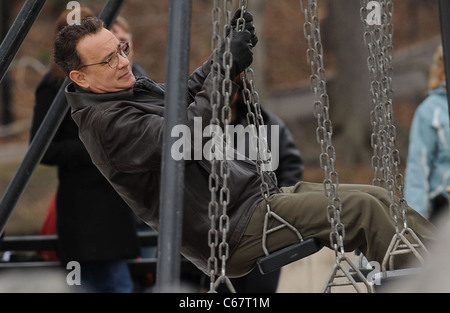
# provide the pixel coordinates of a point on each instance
(349, 91)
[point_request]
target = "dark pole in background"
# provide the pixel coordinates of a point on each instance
(16, 35)
(110, 11)
(8, 50)
(48, 128)
(7, 116)
(172, 177)
(444, 10)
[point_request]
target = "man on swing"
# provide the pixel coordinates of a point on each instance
(121, 118)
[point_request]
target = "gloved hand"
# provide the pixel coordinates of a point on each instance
(241, 49)
(248, 17)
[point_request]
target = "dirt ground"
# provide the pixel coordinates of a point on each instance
(311, 274)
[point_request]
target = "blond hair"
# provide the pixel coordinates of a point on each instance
(437, 70)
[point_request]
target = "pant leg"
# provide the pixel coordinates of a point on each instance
(365, 215)
(107, 277)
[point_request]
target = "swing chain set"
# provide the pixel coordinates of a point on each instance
(385, 159)
(386, 156)
(219, 168)
(258, 138)
(264, 156)
(344, 270)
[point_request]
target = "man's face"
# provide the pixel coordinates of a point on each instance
(102, 78)
(122, 35)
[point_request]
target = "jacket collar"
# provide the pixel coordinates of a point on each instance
(74, 94)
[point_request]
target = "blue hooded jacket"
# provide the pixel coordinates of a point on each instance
(428, 163)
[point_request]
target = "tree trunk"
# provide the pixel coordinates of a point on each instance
(349, 91)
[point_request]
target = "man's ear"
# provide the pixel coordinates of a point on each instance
(79, 78)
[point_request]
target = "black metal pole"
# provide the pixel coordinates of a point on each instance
(110, 11)
(17, 33)
(171, 209)
(33, 156)
(444, 11)
(44, 135)
(6, 101)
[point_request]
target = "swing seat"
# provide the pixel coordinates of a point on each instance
(289, 254)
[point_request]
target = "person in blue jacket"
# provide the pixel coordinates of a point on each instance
(428, 162)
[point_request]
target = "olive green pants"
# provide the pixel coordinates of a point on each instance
(365, 215)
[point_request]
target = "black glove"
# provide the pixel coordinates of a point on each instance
(241, 49)
(248, 17)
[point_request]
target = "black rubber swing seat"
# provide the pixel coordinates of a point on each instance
(287, 255)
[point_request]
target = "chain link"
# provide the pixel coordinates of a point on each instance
(324, 131)
(220, 171)
(327, 158)
(213, 207)
(259, 139)
(386, 156)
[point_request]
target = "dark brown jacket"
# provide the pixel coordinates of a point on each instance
(123, 133)
(94, 223)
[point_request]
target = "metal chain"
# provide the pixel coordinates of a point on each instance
(220, 170)
(254, 116)
(327, 158)
(386, 157)
(256, 120)
(324, 130)
(385, 160)
(259, 139)
(213, 207)
(227, 90)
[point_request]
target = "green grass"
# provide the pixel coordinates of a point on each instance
(31, 208)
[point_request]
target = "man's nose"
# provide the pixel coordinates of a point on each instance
(123, 61)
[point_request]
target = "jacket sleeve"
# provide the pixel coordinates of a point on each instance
(422, 141)
(197, 79)
(138, 148)
(290, 165)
